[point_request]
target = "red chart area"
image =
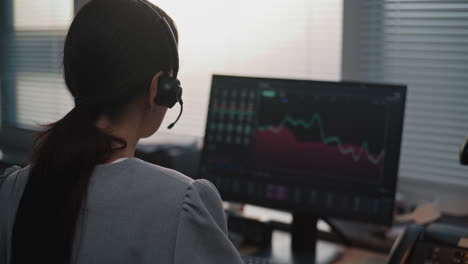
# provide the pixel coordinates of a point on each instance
(277, 147)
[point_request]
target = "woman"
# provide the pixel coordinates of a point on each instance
(85, 198)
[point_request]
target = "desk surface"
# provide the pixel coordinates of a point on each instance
(326, 252)
(360, 256)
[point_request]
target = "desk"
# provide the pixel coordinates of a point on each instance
(326, 252)
(360, 256)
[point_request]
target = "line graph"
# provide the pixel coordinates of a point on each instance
(356, 152)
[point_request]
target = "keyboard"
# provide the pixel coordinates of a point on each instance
(259, 260)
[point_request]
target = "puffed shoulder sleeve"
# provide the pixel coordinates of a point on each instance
(6, 173)
(8, 202)
(202, 230)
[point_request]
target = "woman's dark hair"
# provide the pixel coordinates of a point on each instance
(112, 51)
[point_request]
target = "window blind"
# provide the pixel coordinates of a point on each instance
(36, 53)
(424, 44)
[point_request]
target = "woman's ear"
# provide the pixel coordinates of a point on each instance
(153, 91)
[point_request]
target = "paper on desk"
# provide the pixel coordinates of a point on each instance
(423, 214)
(463, 242)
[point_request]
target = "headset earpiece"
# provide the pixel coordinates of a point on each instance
(464, 152)
(169, 91)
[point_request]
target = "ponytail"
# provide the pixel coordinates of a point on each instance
(65, 156)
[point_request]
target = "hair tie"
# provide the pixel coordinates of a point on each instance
(82, 102)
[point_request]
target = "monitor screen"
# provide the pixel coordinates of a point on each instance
(330, 148)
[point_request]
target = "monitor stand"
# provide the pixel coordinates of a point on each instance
(304, 240)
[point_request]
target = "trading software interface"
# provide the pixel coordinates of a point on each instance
(329, 148)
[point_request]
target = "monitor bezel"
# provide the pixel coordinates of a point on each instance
(287, 206)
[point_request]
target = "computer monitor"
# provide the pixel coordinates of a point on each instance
(315, 148)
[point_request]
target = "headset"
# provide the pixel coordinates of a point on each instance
(464, 152)
(169, 88)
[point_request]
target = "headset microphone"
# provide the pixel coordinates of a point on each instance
(464, 152)
(180, 114)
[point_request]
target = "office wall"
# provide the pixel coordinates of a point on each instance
(266, 38)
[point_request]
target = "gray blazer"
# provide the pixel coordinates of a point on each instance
(136, 212)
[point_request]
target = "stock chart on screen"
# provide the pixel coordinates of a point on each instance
(292, 143)
(333, 136)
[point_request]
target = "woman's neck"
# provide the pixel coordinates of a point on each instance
(127, 131)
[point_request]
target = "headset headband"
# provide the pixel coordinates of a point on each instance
(170, 34)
